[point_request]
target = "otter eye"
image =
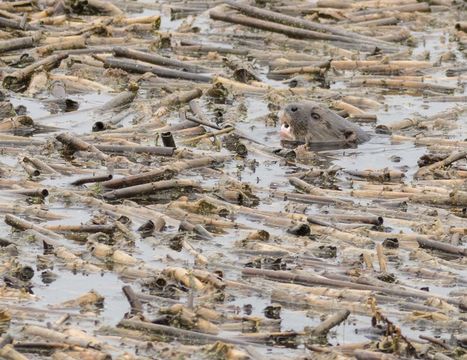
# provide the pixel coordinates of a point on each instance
(315, 116)
(286, 126)
(293, 108)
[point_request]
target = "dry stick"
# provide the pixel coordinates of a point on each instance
(108, 229)
(164, 172)
(365, 219)
(282, 29)
(137, 149)
(302, 23)
(59, 336)
(310, 280)
(199, 229)
(430, 141)
(409, 122)
(151, 188)
(383, 266)
(157, 59)
(202, 118)
(402, 8)
(396, 84)
(109, 124)
(30, 170)
(330, 322)
(141, 68)
(368, 64)
(380, 175)
(15, 24)
(378, 22)
(372, 355)
(297, 70)
(181, 97)
(135, 303)
(439, 342)
(77, 144)
(80, 83)
(30, 192)
(7, 352)
(66, 43)
(14, 44)
(202, 122)
(92, 179)
(190, 47)
(437, 245)
(121, 99)
(445, 162)
(209, 134)
(39, 164)
(23, 225)
(12, 140)
(18, 79)
(180, 334)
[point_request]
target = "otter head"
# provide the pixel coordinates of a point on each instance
(299, 119)
(309, 122)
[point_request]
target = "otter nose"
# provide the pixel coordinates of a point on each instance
(293, 108)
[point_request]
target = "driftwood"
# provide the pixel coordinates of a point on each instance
(157, 59)
(141, 68)
(180, 334)
(143, 177)
(150, 188)
(19, 79)
(166, 172)
(76, 144)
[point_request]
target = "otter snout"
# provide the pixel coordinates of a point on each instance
(285, 132)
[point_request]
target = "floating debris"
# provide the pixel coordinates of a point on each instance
(151, 210)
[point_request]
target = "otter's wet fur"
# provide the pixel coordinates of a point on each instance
(311, 123)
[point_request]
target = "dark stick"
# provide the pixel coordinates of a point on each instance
(141, 68)
(330, 322)
(202, 122)
(138, 149)
(437, 245)
(165, 172)
(180, 334)
(150, 188)
(305, 24)
(275, 27)
(92, 179)
(108, 229)
(32, 192)
(16, 24)
(312, 280)
(157, 59)
(168, 139)
(77, 144)
(135, 303)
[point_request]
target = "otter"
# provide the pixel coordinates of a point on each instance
(314, 125)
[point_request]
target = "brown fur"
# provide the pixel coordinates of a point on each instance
(312, 123)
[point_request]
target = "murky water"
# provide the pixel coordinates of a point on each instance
(267, 172)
